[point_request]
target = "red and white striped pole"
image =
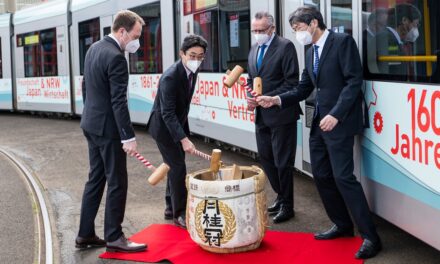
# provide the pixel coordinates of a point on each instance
(145, 161)
(158, 173)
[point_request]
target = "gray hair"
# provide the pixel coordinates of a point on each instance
(263, 14)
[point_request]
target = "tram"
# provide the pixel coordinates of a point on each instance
(397, 159)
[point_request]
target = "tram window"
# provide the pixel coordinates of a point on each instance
(401, 41)
(234, 34)
(206, 25)
(226, 28)
(88, 34)
(342, 19)
(148, 59)
(107, 31)
(40, 53)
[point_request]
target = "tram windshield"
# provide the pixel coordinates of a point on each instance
(401, 40)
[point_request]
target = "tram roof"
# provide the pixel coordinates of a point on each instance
(5, 20)
(81, 4)
(41, 11)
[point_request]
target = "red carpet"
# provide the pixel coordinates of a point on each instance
(167, 242)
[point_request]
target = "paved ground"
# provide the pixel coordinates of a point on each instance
(56, 151)
(16, 216)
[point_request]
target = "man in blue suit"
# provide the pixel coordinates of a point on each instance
(333, 68)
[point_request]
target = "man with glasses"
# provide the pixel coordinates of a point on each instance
(333, 67)
(168, 123)
(274, 59)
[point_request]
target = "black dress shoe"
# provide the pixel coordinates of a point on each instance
(124, 245)
(368, 249)
(168, 214)
(284, 214)
(83, 243)
(334, 232)
(180, 222)
(275, 207)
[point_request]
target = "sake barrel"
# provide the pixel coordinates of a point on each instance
(227, 216)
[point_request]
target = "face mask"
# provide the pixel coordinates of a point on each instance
(193, 65)
(412, 35)
(261, 38)
(304, 37)
(133, 45)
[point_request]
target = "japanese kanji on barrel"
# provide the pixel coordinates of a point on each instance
(230, 215)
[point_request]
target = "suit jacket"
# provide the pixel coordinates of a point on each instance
(338, 84)
(279, 73)
(105, 91)
(169, 115)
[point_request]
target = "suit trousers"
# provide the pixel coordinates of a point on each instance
(276, 149)
(340, 192)
(176, 193)
(108, 164)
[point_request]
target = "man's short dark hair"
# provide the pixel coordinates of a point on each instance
(194, 41)
(126, 19)
(305, 15)
(396, 15)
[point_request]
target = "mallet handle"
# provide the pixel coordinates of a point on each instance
(145, 161)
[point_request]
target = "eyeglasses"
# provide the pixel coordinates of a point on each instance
(299, 28)
(260, 31)
(194, 56)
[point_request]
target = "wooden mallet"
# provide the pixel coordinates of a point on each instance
(233, 76)
(158, 173)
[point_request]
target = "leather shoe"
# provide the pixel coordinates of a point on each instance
(275, 207)
(122, 244)
(284, 214)
(334, 232)
(83, 243)
(168, 214)
(368, 249)
(180, 222)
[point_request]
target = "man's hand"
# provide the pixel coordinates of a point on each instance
(251, 103)
(267, 101)
(328, 123)
(187, 145)
(130, 148)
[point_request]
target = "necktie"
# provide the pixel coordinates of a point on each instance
(315, 72)
(316, 60)
(190, 81)
(260, 56)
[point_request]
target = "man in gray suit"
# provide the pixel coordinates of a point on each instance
(107, 126)
(274, 59)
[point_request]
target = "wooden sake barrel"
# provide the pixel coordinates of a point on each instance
(228, 215)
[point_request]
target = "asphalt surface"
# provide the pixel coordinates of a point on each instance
(56, 151)
(18, 240)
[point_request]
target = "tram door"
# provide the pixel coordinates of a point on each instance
(344, 16)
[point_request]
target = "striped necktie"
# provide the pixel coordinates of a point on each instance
(316, 60)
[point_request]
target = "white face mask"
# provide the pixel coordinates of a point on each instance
(412, 35)
(193, 65)
(262, 38)
(132, 46)
(304, 37)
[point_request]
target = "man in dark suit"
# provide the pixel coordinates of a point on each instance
(274, 59)
(107, 126)
(168, 123)
(333, 68)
